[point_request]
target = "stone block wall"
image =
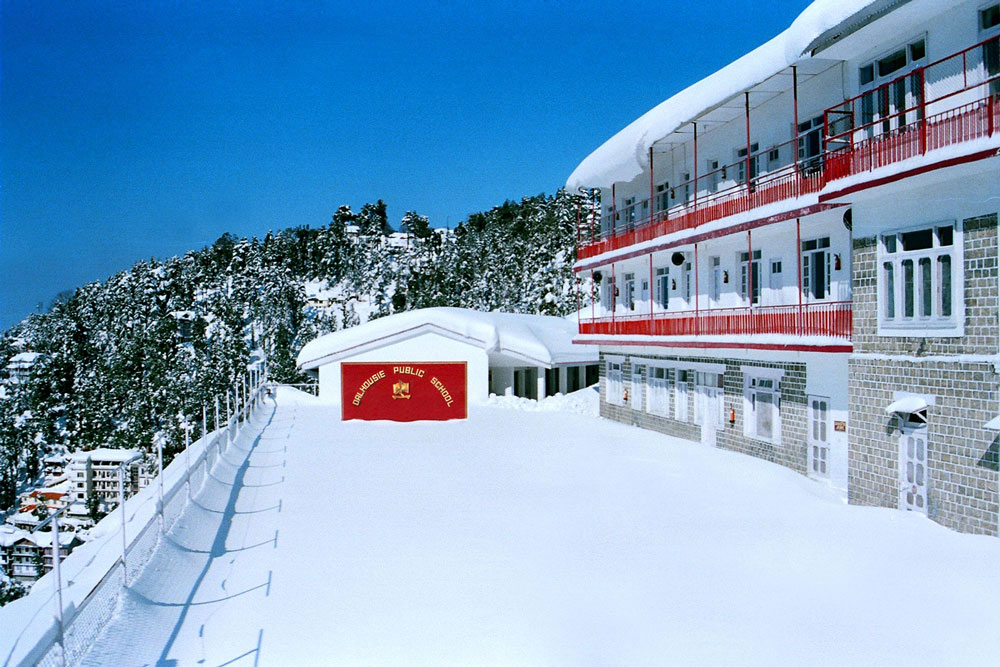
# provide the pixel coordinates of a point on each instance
(958, 372)
(791, 452)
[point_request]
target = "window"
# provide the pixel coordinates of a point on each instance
(614, 387)
(775, 281)
(773, 157)
(687, 185)
(816, 268)
(917, 281)
(629, 294)
(762, 407)
(741, 165)
(658, 402)
(750, 277)
(608, 294)
(989, 26)
(891, 90)
(663, 287)
(681, 395)
(714, 175)
(989, 19)
(686, 283)
(810, 145)
(628, 211)
(662, 201)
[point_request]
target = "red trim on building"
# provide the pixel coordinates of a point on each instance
(916, 171)
(799, 347)
(714, 234)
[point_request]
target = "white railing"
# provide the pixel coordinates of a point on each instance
(86, 589)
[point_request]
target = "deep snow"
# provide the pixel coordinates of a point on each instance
(541, 537)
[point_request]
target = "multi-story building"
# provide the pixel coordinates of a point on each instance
(96, 471)
(797, 256)
(21, 552)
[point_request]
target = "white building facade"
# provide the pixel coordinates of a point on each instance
(790, 247)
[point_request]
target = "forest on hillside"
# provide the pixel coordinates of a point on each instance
(138, 355)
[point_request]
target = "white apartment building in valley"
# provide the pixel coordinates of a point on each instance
(797, 256)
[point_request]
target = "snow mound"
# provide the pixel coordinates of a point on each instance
(583, 402)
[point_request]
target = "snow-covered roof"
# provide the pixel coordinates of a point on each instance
(105, 454)
(907, 404)
(540, 339)
(624, 156)
(25, 358)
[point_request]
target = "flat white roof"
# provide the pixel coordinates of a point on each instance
(105, 454)
(545, 340)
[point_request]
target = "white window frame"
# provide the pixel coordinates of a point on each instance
(757, 381)
(919, 325)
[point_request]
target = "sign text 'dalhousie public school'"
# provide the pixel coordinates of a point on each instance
(403, 391)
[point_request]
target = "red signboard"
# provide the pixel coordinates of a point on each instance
(403, 391)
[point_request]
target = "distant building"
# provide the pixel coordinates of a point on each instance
(96, 472)
(20, 365)
(19, 551)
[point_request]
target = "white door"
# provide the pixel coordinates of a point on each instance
(819, 436)
(635, 393)
(710, 412)
(913, 469)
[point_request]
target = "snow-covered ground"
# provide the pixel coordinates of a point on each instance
(541, 537)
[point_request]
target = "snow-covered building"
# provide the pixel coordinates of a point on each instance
(21, 551)
(796, 257)
(525, 355)
(96, 471)
(20, 365)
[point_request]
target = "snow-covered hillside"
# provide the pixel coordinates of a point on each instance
(541, 537)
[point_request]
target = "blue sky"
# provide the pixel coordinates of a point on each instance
(131, 130)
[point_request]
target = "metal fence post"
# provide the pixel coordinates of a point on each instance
(187, 455)
(59, 598)
(159, 460)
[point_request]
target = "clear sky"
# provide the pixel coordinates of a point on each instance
(137, 129)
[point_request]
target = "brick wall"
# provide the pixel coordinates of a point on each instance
(981, 324)
(791, 452)
(962, 456)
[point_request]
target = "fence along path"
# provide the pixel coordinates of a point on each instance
(93, 575)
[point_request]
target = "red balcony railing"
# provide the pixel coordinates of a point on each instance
(830, 319)
(951, 101)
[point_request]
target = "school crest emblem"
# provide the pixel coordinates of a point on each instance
(400, 390)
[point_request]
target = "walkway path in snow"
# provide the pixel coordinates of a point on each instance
(540, 538)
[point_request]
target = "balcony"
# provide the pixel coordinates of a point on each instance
(948, 102)
(827, 319)
(952, 101)
(707, 198)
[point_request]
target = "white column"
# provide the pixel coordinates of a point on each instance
(540, 390)
(564, 379)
